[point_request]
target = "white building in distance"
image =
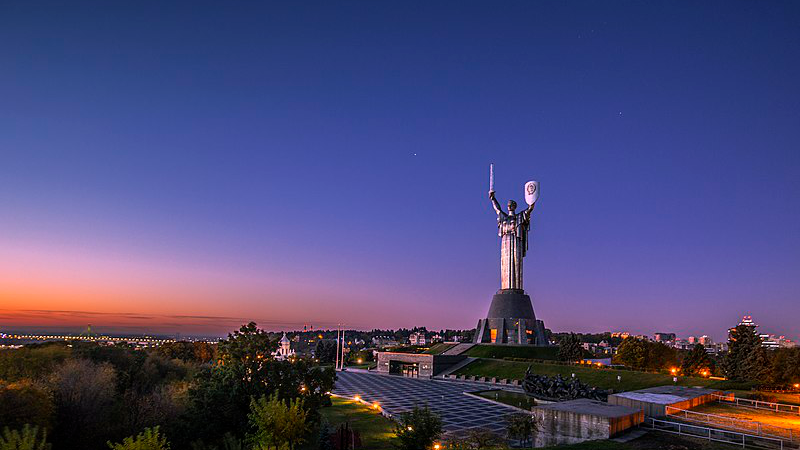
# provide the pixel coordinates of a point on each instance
(284, 350)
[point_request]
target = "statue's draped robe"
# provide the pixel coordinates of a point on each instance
(513, 229)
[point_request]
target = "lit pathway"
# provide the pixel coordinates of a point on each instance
(396, 394)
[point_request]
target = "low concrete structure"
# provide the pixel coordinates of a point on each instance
(416, 365)
(654, 401)
(582, 420)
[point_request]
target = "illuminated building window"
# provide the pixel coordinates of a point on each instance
(494, 334)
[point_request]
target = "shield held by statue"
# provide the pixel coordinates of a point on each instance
(531, 192)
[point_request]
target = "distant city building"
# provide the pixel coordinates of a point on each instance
(664, 337)
(284, 350)
(692, 340)
(417, 338)
(748, 322)
(621, 334)
(705, 340)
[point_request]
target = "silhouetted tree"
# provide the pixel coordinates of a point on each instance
(696, 360)
(744, 354)
(325, 351)
(570, 348)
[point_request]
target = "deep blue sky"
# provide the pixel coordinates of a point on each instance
(325, 162)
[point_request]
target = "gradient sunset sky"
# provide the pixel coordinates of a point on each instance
(188, 166)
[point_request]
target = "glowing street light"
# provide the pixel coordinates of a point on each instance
(357, 398)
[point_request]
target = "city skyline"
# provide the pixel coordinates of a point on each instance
(330, 165)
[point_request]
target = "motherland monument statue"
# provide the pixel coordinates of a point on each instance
(511, 319)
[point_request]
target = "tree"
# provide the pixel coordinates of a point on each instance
(633, 353)
(482, 439)
(643, 354)
(521, 427)
(23, 403)
(696, 361)
(570, 348)
(324, 439)
(417, 429)
(277, 423)
(785, 367)
(325, 351)
(26, 439)
(84, 396)
(149, 439)
(739, 364)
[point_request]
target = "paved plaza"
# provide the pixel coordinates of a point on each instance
(396, 394)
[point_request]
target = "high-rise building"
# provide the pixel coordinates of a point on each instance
(705, 341)
(664, 337)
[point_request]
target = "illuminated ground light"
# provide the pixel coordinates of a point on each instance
(357, 398)
(376, 405)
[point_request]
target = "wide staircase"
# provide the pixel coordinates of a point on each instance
(458, 349)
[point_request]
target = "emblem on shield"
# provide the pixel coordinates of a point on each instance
(531, 192)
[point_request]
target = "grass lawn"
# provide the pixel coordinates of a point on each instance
(601, 378)
(376, 431)
(510, 351)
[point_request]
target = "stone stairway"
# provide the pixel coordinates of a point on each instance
(458, 349)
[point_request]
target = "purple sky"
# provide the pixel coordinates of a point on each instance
(325, 163)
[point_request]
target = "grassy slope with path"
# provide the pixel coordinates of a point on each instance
(601, 378)
(376, 431)
(513, 351)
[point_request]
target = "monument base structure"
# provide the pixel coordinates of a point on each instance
(511, 320)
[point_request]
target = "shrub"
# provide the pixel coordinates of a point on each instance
(26, 439)
(149, 439)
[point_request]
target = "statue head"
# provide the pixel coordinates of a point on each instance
(512, 205)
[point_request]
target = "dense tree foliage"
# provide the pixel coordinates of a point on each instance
(744, 354)
(24, 402)
(26, 438)
(417, 429)
(697, 361)
(643, 354)
(192, 395)
(570, 348)
(325, 352)
(149, 439)
(277, 423)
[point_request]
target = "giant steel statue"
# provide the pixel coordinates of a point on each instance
(511, 319)
(513, 230)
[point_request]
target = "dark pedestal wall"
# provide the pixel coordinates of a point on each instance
(511, 320)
